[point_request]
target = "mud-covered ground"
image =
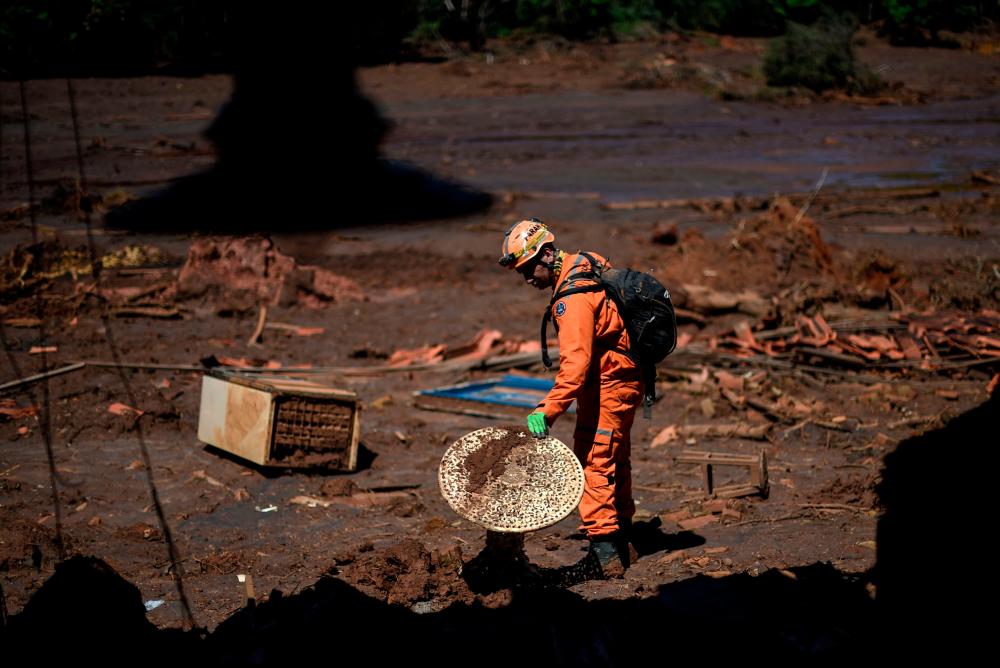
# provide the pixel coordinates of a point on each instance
(910, 202)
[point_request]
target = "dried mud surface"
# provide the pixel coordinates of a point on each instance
(489, 461)
(900, 210)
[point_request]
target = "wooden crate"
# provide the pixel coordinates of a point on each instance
(280, 420)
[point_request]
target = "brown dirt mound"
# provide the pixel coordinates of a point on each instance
(772, 250)
(793, 242)
(248, 271)
(853, 491)
(407, 573)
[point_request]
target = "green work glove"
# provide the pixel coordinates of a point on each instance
(537, 425)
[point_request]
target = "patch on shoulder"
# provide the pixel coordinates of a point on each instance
(560, 308)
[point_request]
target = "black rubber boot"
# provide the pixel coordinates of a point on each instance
(613, 555)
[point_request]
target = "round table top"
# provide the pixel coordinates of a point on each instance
(506, 480)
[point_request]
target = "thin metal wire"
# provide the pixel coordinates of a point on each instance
(176, 568)
(45, 410)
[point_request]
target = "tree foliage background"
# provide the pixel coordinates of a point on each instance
(120, 36)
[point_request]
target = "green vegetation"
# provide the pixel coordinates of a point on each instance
(118, 34)
(94, 35)
(819, 57)
(920, 21)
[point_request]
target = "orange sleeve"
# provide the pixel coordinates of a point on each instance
(575, 320)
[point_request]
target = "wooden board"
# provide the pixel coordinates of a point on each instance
(236, 418)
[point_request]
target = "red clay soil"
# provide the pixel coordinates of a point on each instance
(556, 133)
(407, 573)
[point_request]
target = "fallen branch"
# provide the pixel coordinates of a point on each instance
(151, 290)
(870, 209)
(837, 357)
(911, 422)
(258, 331)
(170, 312)
(143, 365)
(812, 196)
(792, 516)
(834, 506)
(734, 430)
(659, 490)
(684, 315)
(836, 426)
(985, 177)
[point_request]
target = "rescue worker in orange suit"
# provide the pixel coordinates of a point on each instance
(595, 371)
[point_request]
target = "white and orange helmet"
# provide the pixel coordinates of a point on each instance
(523, 241)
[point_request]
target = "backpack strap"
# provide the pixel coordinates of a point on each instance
(595, 267)
(649, 380)
(594, 287)
(594, 274)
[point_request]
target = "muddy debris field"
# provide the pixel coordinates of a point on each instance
(835, 266)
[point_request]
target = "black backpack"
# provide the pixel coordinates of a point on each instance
(645, 308)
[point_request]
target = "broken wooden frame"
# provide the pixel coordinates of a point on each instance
(757, 464)
(280, 421)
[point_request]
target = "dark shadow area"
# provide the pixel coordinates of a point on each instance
(648, 538)
(86, 613)
(933, 576)
(934, 570)
(365, 459)
(297, 143)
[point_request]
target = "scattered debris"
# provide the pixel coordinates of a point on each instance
(21, 322)
(757, 432)
(930, 340)
(757, 465)
(214, 361)
(123, 410)
(165, 312)
(295, 329)
(981, 176)
(697, 522)
(241, 272)
(10, 409)
(381, 402)
(488, 343)
(666, 435)
(356, 500)
(707, 300)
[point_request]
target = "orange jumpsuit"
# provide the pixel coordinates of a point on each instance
(607, 386)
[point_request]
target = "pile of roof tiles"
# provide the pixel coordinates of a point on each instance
(928, 340)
